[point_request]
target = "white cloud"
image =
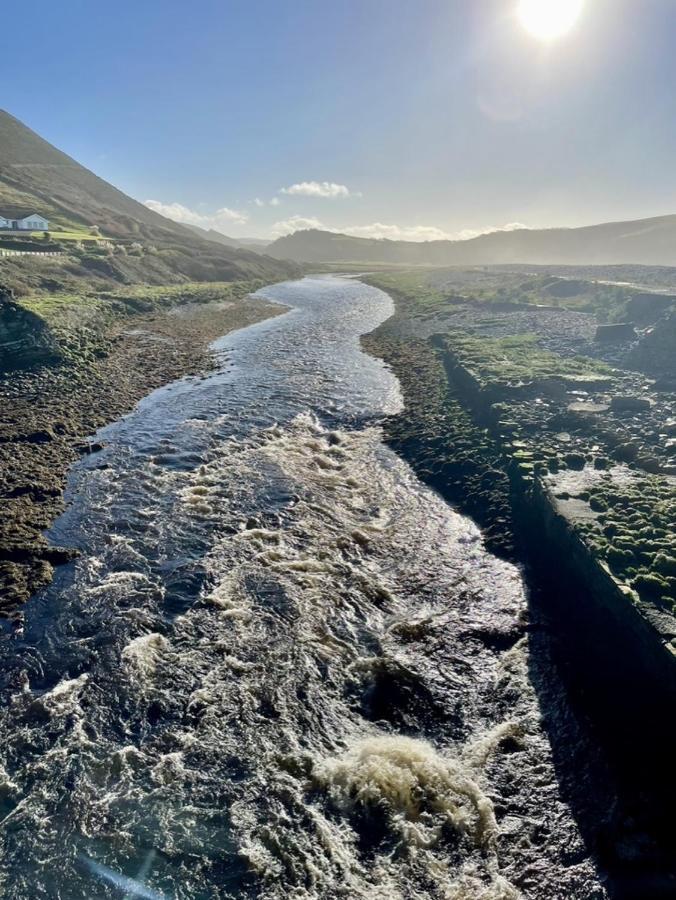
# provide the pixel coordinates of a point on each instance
(379, 230)
(422, 232)
(221, 220)
(468, 233)
(327, 189)
(275, 201)
(376, 230)
(258, 201)
(296, 223)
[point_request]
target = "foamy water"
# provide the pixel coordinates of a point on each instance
(281, 667)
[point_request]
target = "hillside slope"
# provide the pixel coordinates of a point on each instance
(210, 234)
(38, 177)
(640, 242)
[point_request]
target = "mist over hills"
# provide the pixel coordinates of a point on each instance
(37, 177)
(640, 242)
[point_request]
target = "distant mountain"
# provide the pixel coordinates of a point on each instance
(211, 235)
(219, 238)
(37, 177)
(261, 243)
(640, 242)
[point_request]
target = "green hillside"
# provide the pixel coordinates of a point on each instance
(35, 176)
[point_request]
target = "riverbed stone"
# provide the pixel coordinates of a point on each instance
(629, 404)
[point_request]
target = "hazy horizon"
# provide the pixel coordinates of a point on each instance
(373, 119)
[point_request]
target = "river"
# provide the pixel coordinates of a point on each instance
(281, 666)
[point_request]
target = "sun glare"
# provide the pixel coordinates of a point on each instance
(549, 19)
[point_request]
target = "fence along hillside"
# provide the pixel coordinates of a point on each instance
(32, 253)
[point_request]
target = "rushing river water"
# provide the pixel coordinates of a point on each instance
(281, 667)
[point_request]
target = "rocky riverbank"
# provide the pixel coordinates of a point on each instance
(439, 438)
(49, 412)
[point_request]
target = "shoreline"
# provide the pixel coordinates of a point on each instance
(49, 414)
(438, 437)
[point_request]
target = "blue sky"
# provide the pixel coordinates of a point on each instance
(432, 117)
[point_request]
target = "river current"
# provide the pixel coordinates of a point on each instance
(281, 666)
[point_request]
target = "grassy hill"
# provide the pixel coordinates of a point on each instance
(640, 242)
(35, 176)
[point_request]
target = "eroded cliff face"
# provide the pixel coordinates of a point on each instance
(25, 340)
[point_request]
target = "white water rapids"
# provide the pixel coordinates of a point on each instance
(281, 667)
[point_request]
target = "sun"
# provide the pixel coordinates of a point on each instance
(549, 19)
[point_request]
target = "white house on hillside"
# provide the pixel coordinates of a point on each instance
(26, 222)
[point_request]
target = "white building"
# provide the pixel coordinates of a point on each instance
(28, 222)
(31, 222)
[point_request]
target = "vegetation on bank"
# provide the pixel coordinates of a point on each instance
(425, 291)
(77, 323)
(191, 292)
(519, 360)
(415, 290)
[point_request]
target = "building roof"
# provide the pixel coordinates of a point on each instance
(19, 213)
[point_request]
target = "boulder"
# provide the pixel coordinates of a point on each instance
(625, 452)
(629, 404)
(649, 464)
(587, 408)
